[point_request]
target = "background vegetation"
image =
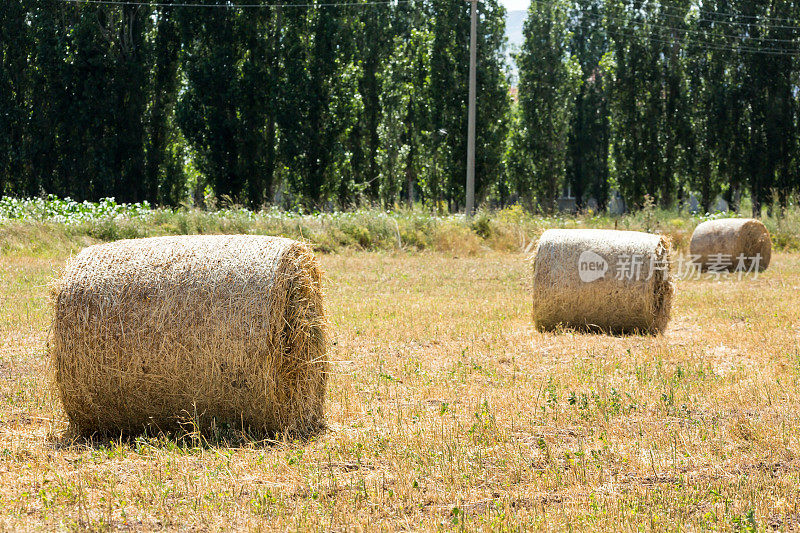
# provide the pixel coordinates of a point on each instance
(309, 106)
(53, 227)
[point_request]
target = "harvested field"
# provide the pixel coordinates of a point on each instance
(447, 408)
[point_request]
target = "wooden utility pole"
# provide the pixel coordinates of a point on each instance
(473, 60)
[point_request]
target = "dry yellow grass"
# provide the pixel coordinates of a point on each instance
(447, 409)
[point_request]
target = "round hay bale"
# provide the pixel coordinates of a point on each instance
(721, 243)
(215, 331)
(604, 280)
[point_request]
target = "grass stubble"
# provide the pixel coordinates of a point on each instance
(447, 409)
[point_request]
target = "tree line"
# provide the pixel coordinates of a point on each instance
(318, 106)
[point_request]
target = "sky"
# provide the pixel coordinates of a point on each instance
(516, 5)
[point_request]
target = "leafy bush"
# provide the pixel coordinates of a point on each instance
(51, 223)
(67, 211)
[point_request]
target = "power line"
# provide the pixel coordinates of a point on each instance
(726, 22)
(599, 17)
(690, 12)
(703, 33)
(620, 32)
(697, 34)
(729, 14)
(232, 5)
(693, 31)
(695, 40)
(695, 9)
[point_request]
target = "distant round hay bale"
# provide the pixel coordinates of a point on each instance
(721, 244)
(218, 331)
(604, 280)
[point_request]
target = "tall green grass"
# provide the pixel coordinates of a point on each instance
(57, 226)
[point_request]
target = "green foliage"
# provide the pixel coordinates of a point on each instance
(301, 107)
(70, 212)
(549, 79)
(587, 148)
(325, 107)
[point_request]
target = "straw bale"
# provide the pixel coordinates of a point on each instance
(602, 280)
(216, 331)
(722, 242)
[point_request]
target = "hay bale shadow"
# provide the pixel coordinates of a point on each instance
(593, 329)
(185, 436)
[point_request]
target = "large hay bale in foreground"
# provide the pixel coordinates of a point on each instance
(605, 280)
(203, 329)
(721, 243)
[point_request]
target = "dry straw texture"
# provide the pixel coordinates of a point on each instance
(211, 330)
(731, 237)
(624, 298)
